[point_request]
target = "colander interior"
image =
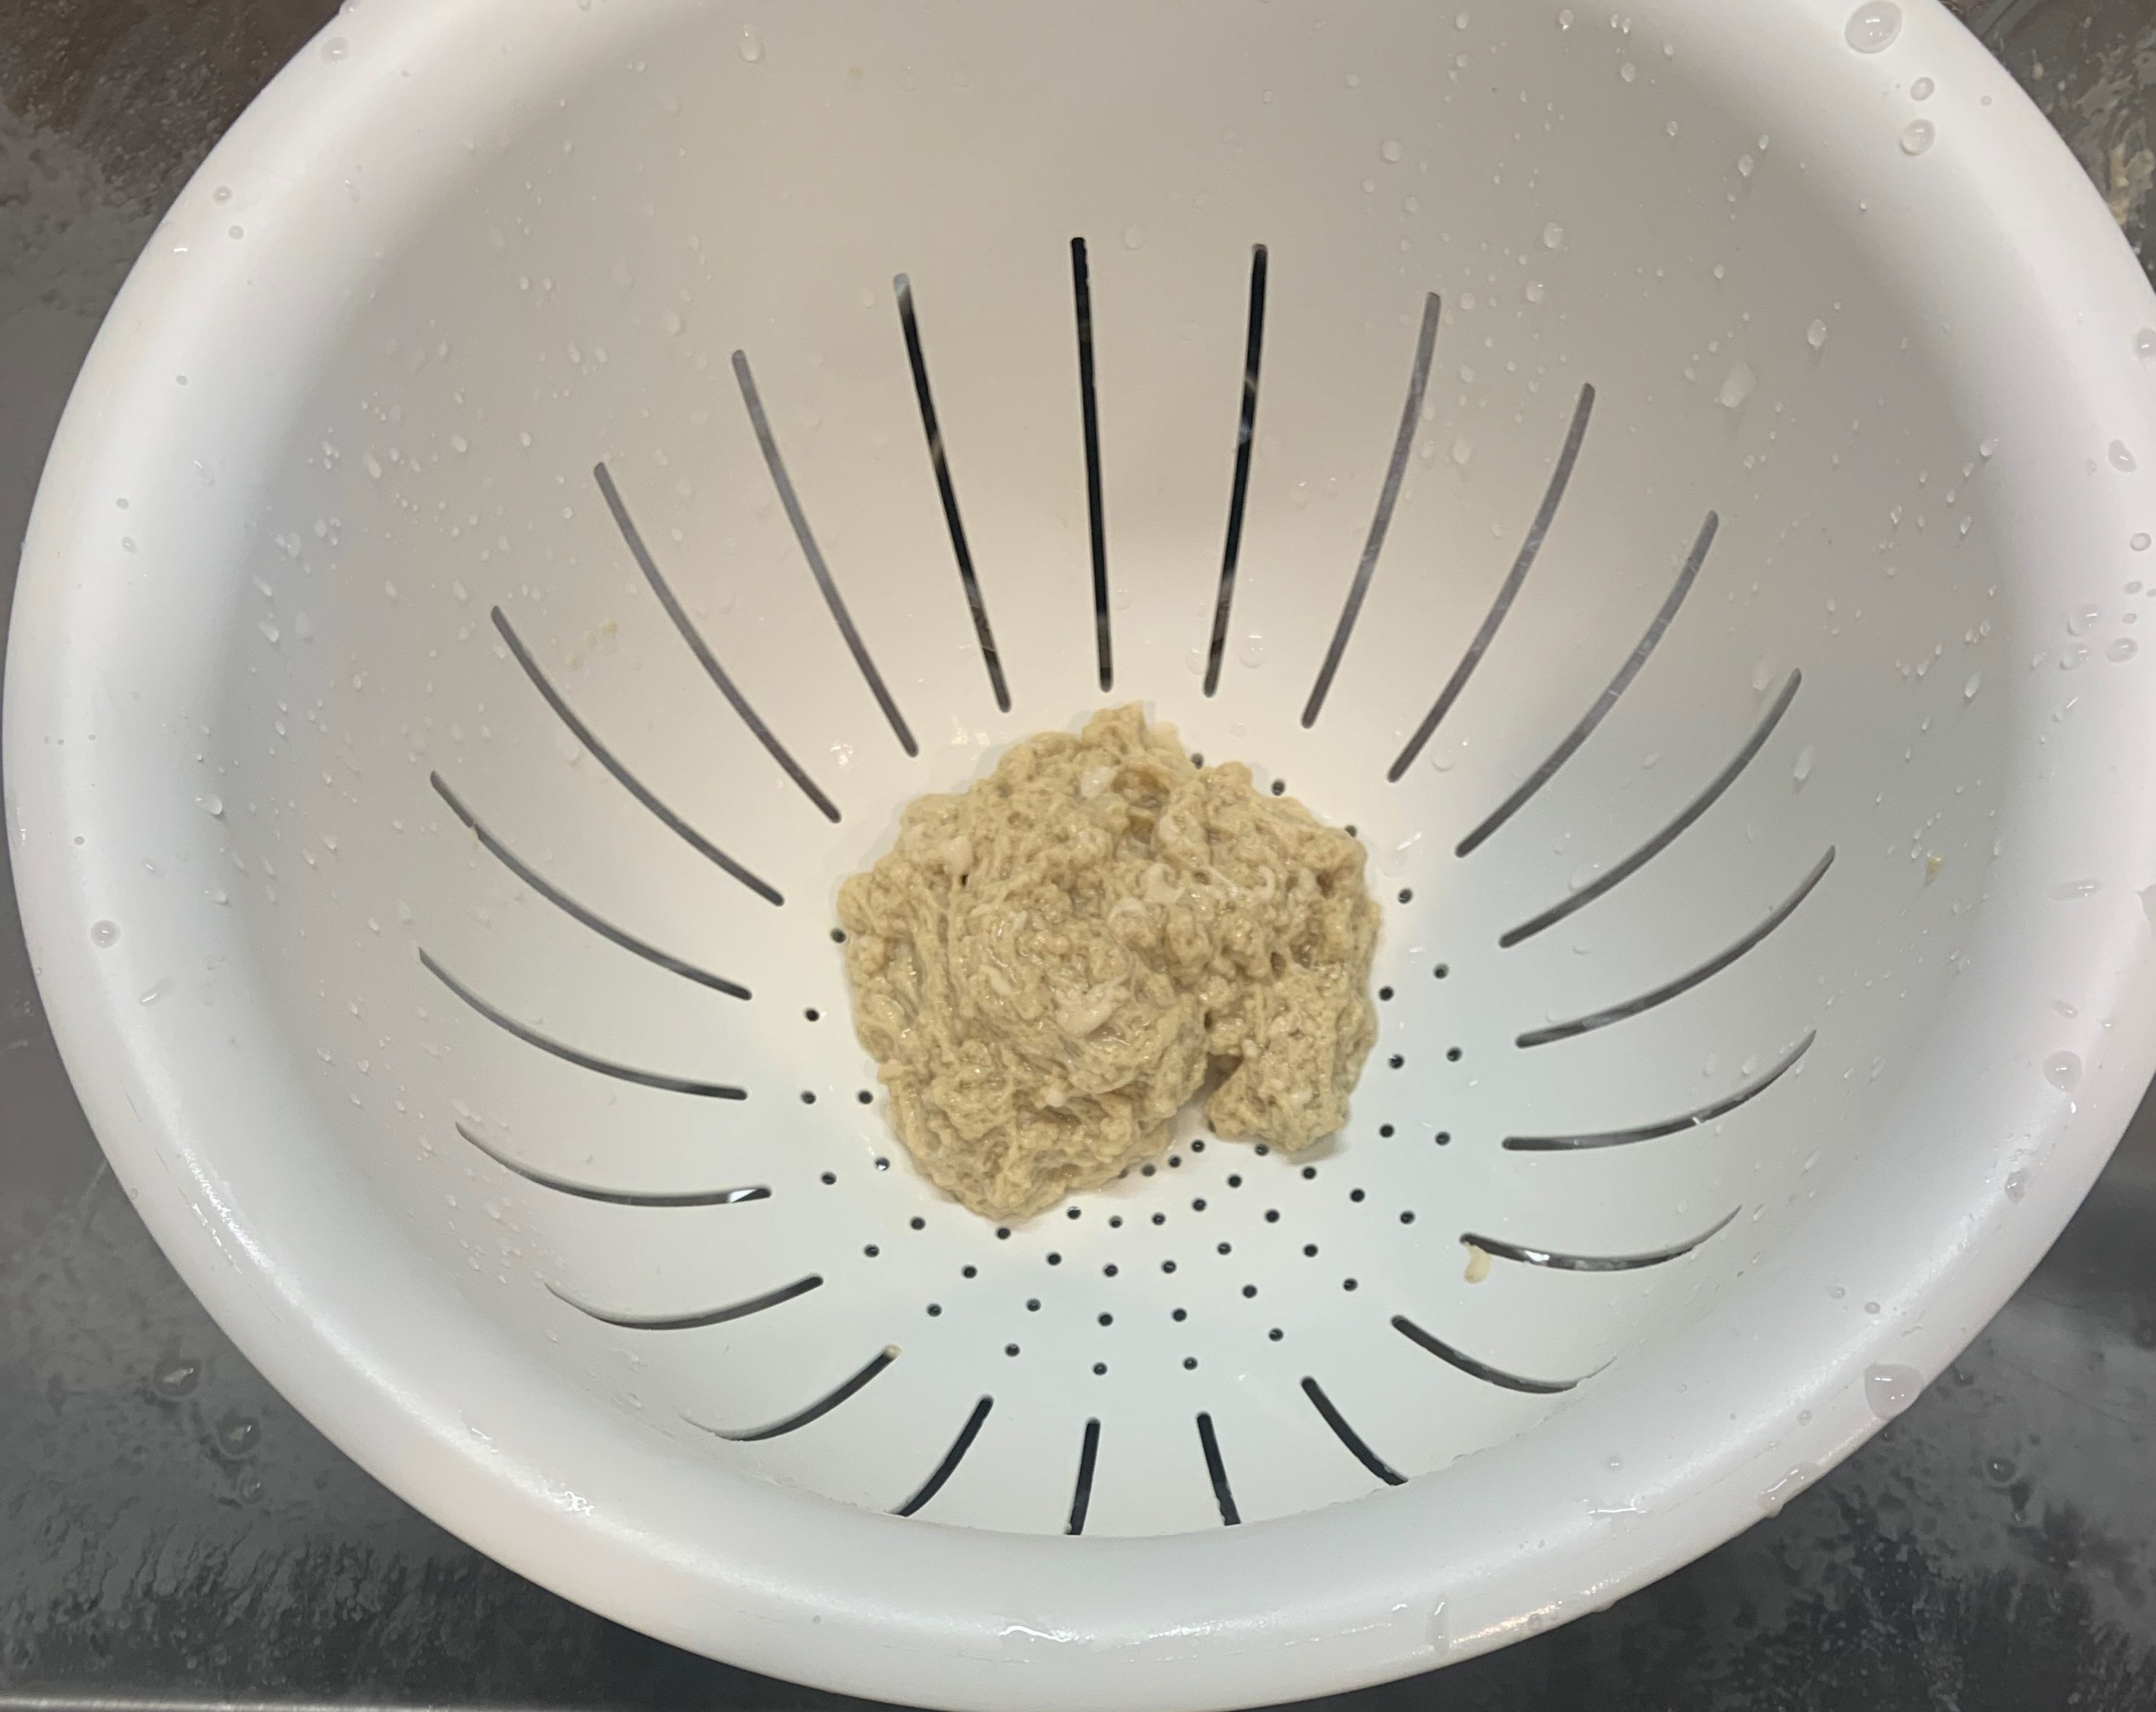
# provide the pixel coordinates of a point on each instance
(1476, 425)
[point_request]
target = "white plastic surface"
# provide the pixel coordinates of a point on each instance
(457, 256)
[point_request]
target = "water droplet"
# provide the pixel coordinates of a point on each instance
(1890, 1387)
(1815, 335)
(105, 935)
(2063, 1071)
(1738, 386)
(1986, 448)
(1564, 18)
(2144, 344)
(1391, 148)
(1552, 236)
(177, 1377)
(2017, 1185)
(2082, 620)
(1462, 450)
(2121, 649)
(222, 193)
(1133, 238)
(2122, 456)
(1917, 136)
(1873, 26)
(1439, 1629)
(335, 49)
(1971, 685)
(2000, 1470)
(2073, 655)
(670, 319)
(156, 989)
(1534, 292)
(236, 1435)
(2073, 890)
(2139, 543)
(1627, 71)
(1251, 650)
(752, 44)
(1921, 89)
(1746, 166)
(1803, 770)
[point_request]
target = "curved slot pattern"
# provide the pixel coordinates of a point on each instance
(815, 1411)
(1507, 592)
(1684, 983)
(1253, 342)
(697, 646)
(569, 1054)
(910, 326)
(623, 777)
(1081, 1493)
(814, 555)
(691, 1322)
(1667, 1126)
(952, 1457)
(1218, 1471)
(614, 1198)
(570, 907)
(1595, 1263)
(1349, 1437)
(1382, 520)
(1081, 296)
(1478, 1370)
(1618, 685)
(1669, 834)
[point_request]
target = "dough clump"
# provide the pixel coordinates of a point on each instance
(1048, 966)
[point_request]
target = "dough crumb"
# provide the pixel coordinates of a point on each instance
(1046, 966)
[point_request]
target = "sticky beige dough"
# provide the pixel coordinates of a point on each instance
(1047, 965)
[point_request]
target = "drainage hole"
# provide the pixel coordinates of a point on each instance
(969, 1272)
(1407, 894)
(1384, 1128)
(1107, 1319)
(1250, 1290)
(869, 1098)
(1354, 1194)
(1099, 1368)
(1442, 970)
(1198, 1207)
(1179, 1316)
(807, 1098)
(1272, 1215)
(813, 1014)
(1384, 992)
(1407, 1219)
(871, 1251)
(830, 1178)
(1188, 1362)
(1010, 1349)
(1275, 1334)
(1160, 1218)
(1280, 788)
(1310, 1249)
(1055, 1260)
(1445, 1138)
(1032, 1304)
(1109, 1270)
(1308, 1172)
(1451, 1056)
(934, 1308)
(837, 935)
(1234, 1182)
(1167, 1266)
(1399, 1062)
(1347, 1283)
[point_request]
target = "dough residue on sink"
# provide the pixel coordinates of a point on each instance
(1046, 966)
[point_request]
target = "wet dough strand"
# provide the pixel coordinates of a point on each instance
(1046, 966)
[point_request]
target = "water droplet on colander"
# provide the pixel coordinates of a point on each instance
(1390, 149)
(2017, 1185)
(2001, 1470)
(156, 989)
(1746, 166)
(105, 935)
(1890, 1387)
(1815, 335)
(2073, 655)
(2121, 649)
(1803, 770)
(335, 49)
(2073, 890)
(1250, 650)
(1873, 26)
(1194, 658)
(176, 1378)
(2082, 620)
(1534, 292)
(1986, 448)
(1917, 136)
(1439, 1629)
(2144, 344)
(1974, 683)
(1564, 18)
(751, 43)
(1462, 450)
(1133, 238)
(670, 319)
(2139, 543)
(2063, 1071)
(2122, 456)
(1921, 89)
(1552, 236)
(1627, 71)
(1738, 386)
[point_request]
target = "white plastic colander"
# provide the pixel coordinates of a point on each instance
(567, 471)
